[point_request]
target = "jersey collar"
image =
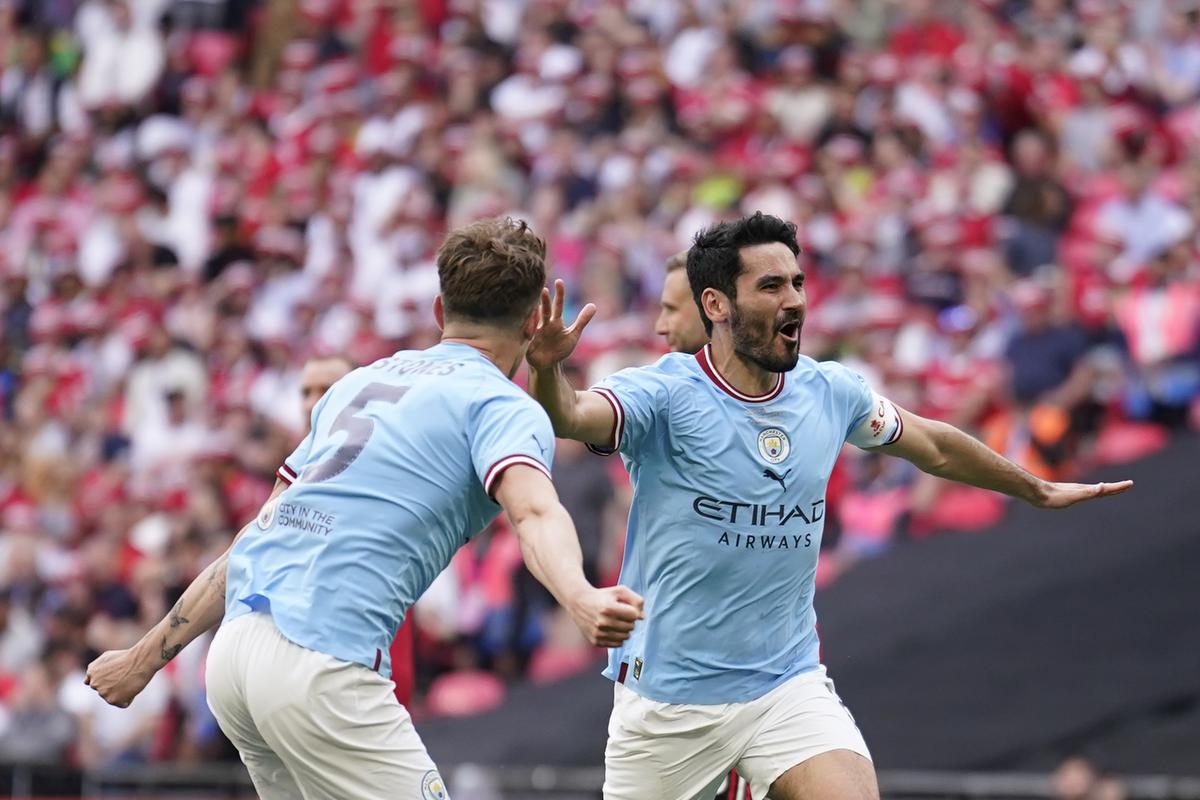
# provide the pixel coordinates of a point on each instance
(704, 357)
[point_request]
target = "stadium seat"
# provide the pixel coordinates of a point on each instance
(1123, 441)
(463, 694)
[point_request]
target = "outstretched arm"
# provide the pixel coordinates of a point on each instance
(584, 416)
(947, 452)
(550, 547)
(120, 675)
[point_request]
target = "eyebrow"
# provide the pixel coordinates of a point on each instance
(767, 280)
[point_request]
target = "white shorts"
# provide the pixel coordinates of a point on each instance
(310, 726)
(683, 752)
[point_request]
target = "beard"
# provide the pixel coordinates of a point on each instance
(758, 340)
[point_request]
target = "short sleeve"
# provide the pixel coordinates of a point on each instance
(635, 399)
(292, 467)
(872, 420)
(289, 471)
(506, 430)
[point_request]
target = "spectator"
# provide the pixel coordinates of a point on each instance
(36, 730)
(123, 56)
(1161, 324)
(164, 373)
(20, 637)
(1088, 131)
(1038, 206)
(1052, 381)
(1047, 18)
(29, 90)
(924, 31)
(1147, 222)
(1175, 58)
(801, 103)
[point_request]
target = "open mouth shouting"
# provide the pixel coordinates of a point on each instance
(790, 332)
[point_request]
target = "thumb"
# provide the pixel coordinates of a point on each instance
(581, 321)
(627, 595)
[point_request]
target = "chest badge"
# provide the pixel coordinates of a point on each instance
(267, 515)
(773, 445)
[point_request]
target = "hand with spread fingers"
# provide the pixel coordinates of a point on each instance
(554, 342)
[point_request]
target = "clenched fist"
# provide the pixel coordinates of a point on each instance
(118, 676)
(607, 616)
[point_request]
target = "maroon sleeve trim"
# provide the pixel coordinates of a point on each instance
(618, 430)
(496, 470)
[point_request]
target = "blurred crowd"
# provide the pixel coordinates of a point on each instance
(998, 203)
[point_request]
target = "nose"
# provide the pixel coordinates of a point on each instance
(660, 324)
(794, 298)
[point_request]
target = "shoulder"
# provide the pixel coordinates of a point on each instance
(493, 393)
(840, 379)
(828, 372)
(669, 371)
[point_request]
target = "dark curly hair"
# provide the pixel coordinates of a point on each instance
(714, 260)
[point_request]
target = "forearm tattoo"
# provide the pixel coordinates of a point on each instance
(176, 617)
(167, 653)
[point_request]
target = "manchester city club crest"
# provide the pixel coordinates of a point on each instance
(773, 445)
(432, 787)
(267, 515)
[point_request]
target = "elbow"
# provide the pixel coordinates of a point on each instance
(527, 514)
(562, 426)
(937, 460)
(937, 464)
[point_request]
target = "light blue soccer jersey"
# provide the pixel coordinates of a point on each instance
(395, 476)
(725, 525)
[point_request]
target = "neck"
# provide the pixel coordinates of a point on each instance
(503, 349)
(742, 374)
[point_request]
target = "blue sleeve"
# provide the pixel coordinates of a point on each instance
(852, 395)
(508, 429)
(636, 396)
(292, 467)
(871, 420)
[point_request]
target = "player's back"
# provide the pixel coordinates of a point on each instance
(392, 480)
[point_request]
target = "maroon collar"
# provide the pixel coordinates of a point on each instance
(704, 357)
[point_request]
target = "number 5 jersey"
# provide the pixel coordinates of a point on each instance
(396, 475)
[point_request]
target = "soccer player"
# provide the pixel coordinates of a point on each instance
(679, 322)
(317, 375)
(407, 458)
(678, 318)
(729, 452)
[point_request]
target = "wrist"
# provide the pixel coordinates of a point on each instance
(1037, 492)
(574, 596)
(146, 653)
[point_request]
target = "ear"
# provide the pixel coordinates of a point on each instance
(716, 305)
(439, 313)
(533, 321)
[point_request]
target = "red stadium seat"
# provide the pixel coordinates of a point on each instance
(555, 662)
(464, 694)
(1123, 441)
